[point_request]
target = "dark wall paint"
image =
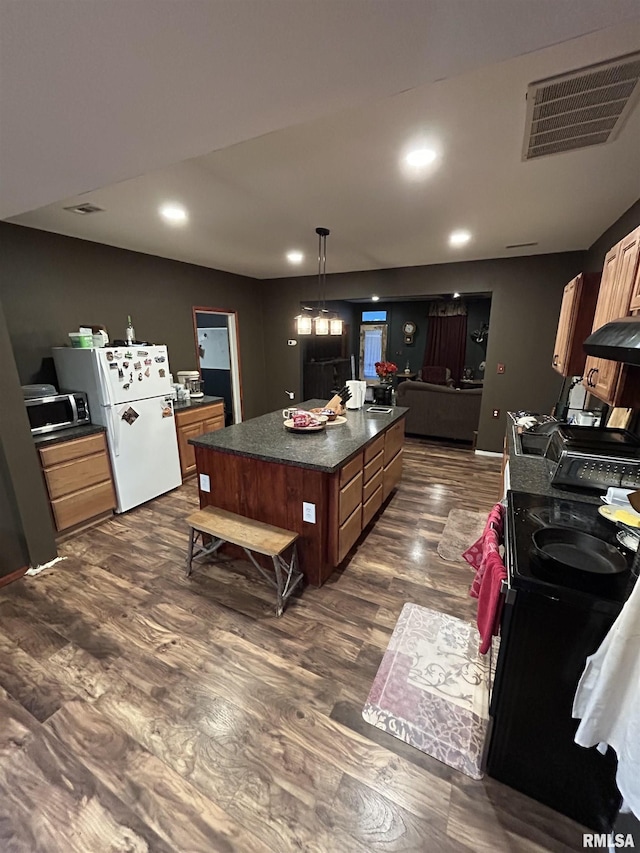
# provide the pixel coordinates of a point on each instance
(50, 284)
(630, 219)
(526, 296)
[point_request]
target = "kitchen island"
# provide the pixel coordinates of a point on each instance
(326, 485)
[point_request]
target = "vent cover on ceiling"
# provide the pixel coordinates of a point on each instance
(84, 209)
(582, 108)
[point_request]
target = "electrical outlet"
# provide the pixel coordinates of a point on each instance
(205, 483)
(495, 413)
(309, 512)
(292, 343)
(500, 368)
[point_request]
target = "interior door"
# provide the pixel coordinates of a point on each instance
(217, 352)
(373, 347)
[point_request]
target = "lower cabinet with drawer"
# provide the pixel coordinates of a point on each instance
(362, 485)
(191, 423)
(78, 477)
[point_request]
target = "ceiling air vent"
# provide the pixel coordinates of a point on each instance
(84, 209)
(521, 245)
(582, 108)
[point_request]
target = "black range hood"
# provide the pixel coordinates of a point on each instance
(616, 341)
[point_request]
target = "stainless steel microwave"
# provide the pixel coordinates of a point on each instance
(59, 411)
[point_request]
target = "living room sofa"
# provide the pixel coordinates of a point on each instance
(440, 411)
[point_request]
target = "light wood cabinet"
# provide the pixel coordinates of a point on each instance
(363, 484)
(575, 323)
(77, 475)
(191, 423)
(610, 381)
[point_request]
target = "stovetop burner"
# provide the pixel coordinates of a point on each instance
(528, 513)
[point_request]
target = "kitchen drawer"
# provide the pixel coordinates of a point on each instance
(393, 440)
(213, 424)
(374, 465)
(79, 474)
(199, 414)
(350, 497)
(371, 485)
(374, 503)
(349, 471)
(392, 475)
(83, 505)
(74, 449)
(349, 532)
(371, 450)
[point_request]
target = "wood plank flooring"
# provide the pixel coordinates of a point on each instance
(144, 711)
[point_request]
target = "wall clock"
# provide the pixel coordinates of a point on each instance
(408, 330)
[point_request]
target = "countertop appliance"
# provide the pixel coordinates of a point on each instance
(593, 458)
(57, 411)
(129, 393)
(549, 627)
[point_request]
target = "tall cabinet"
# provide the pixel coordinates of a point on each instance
(575, 323)
(614, 383)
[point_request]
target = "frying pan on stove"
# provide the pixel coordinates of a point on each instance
(573, 558)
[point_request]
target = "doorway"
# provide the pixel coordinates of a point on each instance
(218, 358)
(373, 348)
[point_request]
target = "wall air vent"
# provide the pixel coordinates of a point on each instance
(85, 209)
(581, 108)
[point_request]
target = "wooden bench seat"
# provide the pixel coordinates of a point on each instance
(254, 537)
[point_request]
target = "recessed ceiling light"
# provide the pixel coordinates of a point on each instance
(375, 298)
(420, 157)
(295, 257)
(459, 238)
(456, 295)
(175, 214)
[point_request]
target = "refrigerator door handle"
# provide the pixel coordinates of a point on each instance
(104, 380)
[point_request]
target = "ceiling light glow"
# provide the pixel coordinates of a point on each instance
(456, 295)
(174, 214)
(420, 158)
(459, 238)
(375, 298)
(295, 257)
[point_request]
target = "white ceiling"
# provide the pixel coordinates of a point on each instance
(268, 118)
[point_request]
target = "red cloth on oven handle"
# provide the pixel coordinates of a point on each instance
(484, 556)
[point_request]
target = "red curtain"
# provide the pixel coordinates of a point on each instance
(446, 344)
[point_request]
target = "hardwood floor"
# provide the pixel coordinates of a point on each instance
(144, 711)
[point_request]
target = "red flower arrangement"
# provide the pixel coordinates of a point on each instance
(386, 369)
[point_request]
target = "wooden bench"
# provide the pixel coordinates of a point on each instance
(253, 537)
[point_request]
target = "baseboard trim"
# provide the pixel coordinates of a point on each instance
(13, 576)
(488, 453)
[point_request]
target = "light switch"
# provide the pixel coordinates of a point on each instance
(309, 512)
(205, 483)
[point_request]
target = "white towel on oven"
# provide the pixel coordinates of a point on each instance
(607, 700)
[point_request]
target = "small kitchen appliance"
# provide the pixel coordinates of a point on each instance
(129, 393)
(591, 458)
(52, 412)
(191, 380)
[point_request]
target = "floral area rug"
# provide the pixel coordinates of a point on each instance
(463, 527)
(432, 688)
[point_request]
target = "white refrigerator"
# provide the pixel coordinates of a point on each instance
(128, 389)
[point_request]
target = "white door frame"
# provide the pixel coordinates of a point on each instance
(234, 354)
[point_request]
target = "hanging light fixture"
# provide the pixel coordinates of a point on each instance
(322, 324)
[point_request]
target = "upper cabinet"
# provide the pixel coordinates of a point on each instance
(575, 323)
(614, 383)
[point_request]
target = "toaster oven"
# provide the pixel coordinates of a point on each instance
(58, 411)
(593, 458)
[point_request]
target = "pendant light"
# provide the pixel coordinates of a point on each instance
(322, 324)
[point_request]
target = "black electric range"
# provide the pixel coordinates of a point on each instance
(527, 513)
(547, 632)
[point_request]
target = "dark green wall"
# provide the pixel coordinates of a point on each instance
(526, 295)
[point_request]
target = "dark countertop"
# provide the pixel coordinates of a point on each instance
(194, 402)
(267, 439)
(530, 473)
(68, 434)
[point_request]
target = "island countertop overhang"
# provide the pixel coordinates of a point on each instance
(266, 438)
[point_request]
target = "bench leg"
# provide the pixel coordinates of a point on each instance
(203, 551)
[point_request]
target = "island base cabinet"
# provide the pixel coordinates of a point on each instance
(349, 533)
(392, 475)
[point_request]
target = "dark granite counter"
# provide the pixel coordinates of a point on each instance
(69, 434)
(530, 473)
(194, 402)
(267, 439)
